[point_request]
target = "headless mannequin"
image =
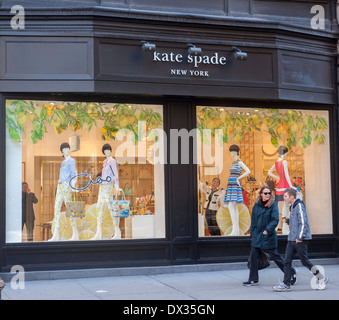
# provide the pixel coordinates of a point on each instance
(283, 207)
(58, 202)
(233, 205)
(109, 197)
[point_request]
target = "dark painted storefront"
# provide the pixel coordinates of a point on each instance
(92, 51)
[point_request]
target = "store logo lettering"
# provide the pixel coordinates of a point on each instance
(99, 180)
(195, 61)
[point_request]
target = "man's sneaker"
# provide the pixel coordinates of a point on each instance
(321, 283)
(281, 287)
(250, 283)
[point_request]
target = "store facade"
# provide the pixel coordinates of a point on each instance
(161, 95)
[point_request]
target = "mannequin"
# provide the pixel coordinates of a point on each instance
(109, 177)
(64, 191)
(284, 182)
(233, 195)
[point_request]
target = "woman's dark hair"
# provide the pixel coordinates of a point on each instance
(106, 147)
(282, 150)
(64, 145)
(263, 188)
(235, 148)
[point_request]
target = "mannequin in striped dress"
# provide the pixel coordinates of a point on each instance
(233, 195)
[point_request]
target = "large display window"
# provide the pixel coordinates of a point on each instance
(83, 171)
(241, 150)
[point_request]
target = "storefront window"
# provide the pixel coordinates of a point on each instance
(65, 162)
(250, 145)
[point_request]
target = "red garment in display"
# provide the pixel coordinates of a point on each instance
(282, 185)
(244, 195)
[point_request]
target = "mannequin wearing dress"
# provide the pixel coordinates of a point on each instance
(64, 192)
(284, 183)
(110, 179)
(233, 195)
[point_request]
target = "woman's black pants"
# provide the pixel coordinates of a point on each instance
(273, 255)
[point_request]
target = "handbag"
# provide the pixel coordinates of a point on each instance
(263, 260)
(75, 208)
(119, 208)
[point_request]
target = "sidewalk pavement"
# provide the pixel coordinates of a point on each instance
(189, 282)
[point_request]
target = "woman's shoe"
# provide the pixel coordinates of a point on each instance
(250, 283)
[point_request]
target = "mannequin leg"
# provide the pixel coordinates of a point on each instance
(59, 198)
(67, 196)
(281, 208)
(233, 208)
(75, 232)
(98, 234)
(100, 206)
(105, 195)
(117, 231)
(285, 213)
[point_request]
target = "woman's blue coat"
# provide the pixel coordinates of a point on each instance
(264, 218)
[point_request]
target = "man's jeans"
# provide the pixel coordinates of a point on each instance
(300, 248)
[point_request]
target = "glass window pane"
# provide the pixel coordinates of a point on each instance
(255, 135)
(65, 162)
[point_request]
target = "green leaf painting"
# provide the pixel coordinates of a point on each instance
(76, 116)
(299, 127)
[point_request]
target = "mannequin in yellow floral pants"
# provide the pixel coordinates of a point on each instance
(109, 177)
(106, 195)
(64, 192)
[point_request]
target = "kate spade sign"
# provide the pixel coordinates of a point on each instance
(181, 65)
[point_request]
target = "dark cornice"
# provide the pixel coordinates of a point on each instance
(278, 23)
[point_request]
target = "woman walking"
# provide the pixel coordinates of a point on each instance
(265, 218)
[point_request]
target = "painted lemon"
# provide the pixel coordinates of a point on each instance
(65, 227)
(86, 234)
(225, 222)
(90, 221)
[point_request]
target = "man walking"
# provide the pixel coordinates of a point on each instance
(298, 238)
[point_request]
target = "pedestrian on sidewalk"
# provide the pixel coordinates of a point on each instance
(298, 239)
(265, 218)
